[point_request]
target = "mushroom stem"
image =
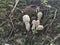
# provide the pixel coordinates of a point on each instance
(33, 27)
(27, 24)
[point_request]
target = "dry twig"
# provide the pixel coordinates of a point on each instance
(13, 28)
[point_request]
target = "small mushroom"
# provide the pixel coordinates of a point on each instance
(37, 23)
(49, 6)
(33, 24)
(40, 27)
(39, 15)
(26, 20)
(19, 40)
(37, 8)
(7, 44)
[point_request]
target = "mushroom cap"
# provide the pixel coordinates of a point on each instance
(26, 18)
(33, 21)
(40, 27)
(37, 8)
(7, 44)
(49, 6)
(39, 15)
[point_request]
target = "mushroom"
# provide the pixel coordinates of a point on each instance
(39, 15)
(37, 23)
(33, 24)
(40, 27)
(26, 20)
(49, 6)
(37, 8)
(7, 44)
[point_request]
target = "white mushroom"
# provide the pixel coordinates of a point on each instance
(39, 15)
(33, 24)
(19, 41)
(7, 44)
(49, 6)
(40, 27)
(37, 8)
(26, 20)
(37, 23)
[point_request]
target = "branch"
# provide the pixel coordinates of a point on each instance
(53, 18)
(14, 6)
(11, 18)
(3, 23)
(53, 40)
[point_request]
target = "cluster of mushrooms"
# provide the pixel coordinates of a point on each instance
(35, 23)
